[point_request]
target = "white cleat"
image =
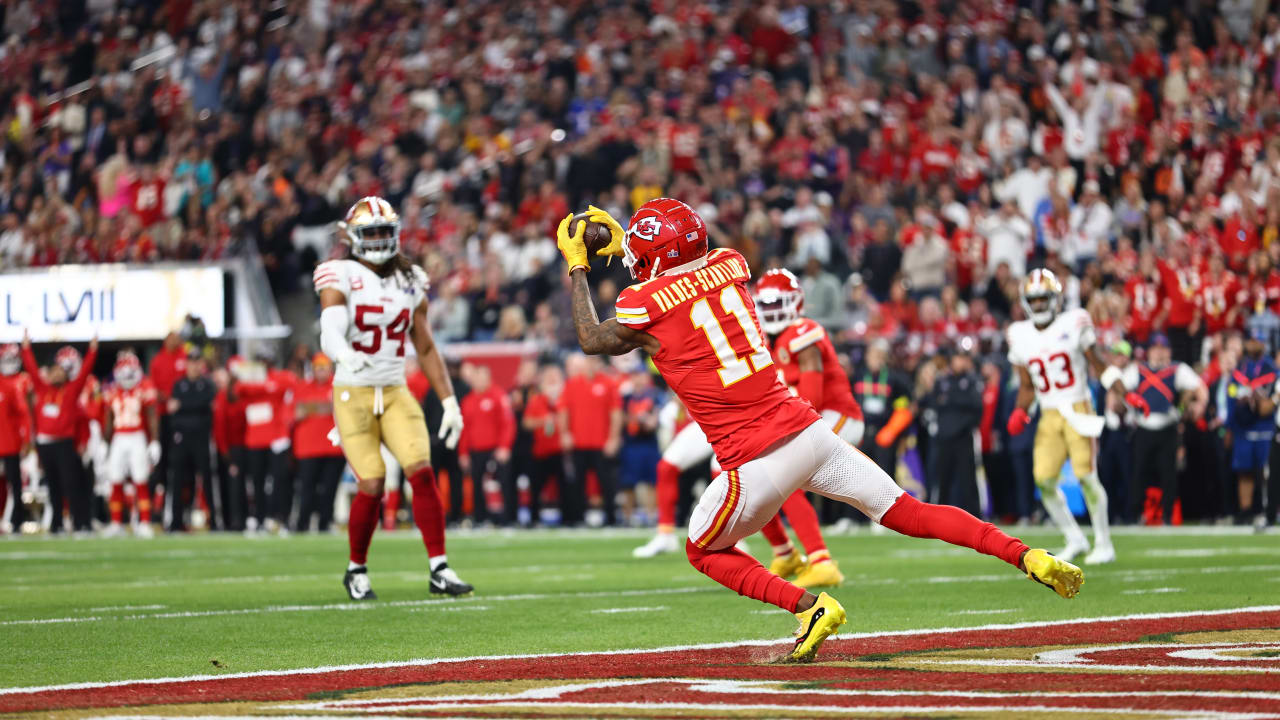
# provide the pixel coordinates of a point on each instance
(114, 530)
(1074, 548)
(144, 531)
(660, 544)
(1101, 555)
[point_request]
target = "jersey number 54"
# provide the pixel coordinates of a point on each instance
(396, 330)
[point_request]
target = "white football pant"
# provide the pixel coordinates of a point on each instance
(739, 502)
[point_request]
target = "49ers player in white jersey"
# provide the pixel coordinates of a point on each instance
(374, 312)
(1053, 352)
(133, 434)
(690, 312)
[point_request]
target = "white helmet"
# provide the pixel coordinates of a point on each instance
(373, 227)
(1041, 296)
(779, 300)
(128, 370)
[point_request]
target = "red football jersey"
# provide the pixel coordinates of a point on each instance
(1144, 299)
(1180, 286)
(836, 393)
(714, 356)
(128, 407)
(1216, 299)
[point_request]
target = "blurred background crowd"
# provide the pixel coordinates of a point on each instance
(910, 161)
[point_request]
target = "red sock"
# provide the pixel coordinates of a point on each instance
(804, 521)
(361, 524)
(115, 503)
(744, 575)
(776, 534)
(390, 506)
(667, 492)
(950, 524)
(144, 502)
(428, 511)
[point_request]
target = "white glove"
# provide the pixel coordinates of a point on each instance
(450, 422)
(100, 459)
(335, 439)
(153, 452)
(353, 361)
(95, 447)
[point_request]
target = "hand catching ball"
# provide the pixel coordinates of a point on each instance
(596, 235)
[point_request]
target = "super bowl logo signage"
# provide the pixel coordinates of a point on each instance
(114, 302)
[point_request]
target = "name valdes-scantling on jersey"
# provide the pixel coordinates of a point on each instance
(380, 309)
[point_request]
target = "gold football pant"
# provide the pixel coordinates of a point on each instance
(368, 417)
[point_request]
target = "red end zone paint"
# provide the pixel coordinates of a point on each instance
(910, 688)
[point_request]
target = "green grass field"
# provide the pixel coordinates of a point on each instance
(99, 610)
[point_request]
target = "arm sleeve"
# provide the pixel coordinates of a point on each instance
(507, 438)
(810, 388)
(1186, 379)
(632, 310)
(334, 322)
(33, 370)
(1055, 97)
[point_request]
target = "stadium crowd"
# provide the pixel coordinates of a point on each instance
(911, 161)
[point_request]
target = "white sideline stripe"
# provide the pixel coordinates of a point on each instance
(127, 607)
(426, 662)
(744, 687)
(1151, 591)
(454, 608)
(1207, 552)
(791, 710)
(357, 607)
(614, 611)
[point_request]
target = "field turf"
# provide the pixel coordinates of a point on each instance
(109, 610)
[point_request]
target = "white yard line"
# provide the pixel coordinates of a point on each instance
(1151, 591)
(615, 611)
(428, 662)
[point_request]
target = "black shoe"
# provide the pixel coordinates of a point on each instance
(444, 581)
(357, 584)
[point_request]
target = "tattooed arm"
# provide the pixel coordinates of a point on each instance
(602, 338)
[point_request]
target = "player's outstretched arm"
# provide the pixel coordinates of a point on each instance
(602, 338)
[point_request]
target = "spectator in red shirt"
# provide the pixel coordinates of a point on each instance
(591, 421)
(1181, 284)
(485, 447)
(147, 201)
(15, 440)
(1219, 297)
(228, 439)
(320, 462)
(1239, 240)
(542, 419)
(1143, 293)
(57, 414)
(268, 412)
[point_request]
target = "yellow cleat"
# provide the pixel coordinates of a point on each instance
(824, 574)
(816, 625)
(1059, 575)
(784, 566)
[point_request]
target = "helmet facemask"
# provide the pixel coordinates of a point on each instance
(10, 363)
(1040, 307)
(776, 310)
(375, 242)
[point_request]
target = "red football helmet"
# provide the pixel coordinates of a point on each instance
(779, 300)
(68, 358)
(128, 370)
(10, 359)
(663, 234)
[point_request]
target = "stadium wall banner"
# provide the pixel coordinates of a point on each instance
(114, 302)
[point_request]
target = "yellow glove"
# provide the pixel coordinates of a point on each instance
(614, 248)
(571, 246)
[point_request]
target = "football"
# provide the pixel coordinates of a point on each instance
(596, 235)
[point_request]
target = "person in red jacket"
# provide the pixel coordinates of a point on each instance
(267, 392)
(57, 412)
(228, 438)
(169, 364)
(15, 439)
(320, 462)
(541, 418)
(489, 431)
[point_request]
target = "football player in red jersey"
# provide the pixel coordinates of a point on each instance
(808, 364)
(690, 312)
(133, 432)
